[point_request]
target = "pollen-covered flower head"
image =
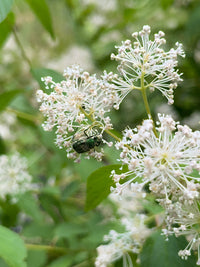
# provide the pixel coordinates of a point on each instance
(144, 64)
(168, 161)
(76, 105)
(14, 177)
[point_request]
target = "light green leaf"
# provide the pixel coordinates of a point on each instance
(12, 248)
(62, 261)
(99, 183)
(41, 10)
(28, 204)
(36, 258)
(7, 97)
(5, 7)
(159, 252)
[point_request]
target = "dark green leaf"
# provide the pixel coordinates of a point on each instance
(34, 230)
(159, 252)
(6, 28)
(12, 248)
(68, 230)
(5, 7)
(2, 147)
(166, 3)
(41, 10)
(9, 213)
(38, 73)
(99, 183)
(192, 31)
(7, 97)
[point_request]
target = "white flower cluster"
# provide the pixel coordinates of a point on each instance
(144, 64)
(119, 245)
(76, 106)
(166, 162)
(14, 177)
(182, 218)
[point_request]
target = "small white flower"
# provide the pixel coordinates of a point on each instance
(14, 177)
(76, 106)
(145, 64)
(166, 162)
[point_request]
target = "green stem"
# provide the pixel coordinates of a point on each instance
(93, 120)
(144, 95)
(23, 115)
(146, 104)
(23, 53)
(113, 135)
(50, 249)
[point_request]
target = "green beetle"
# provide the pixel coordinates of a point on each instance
(86, 144)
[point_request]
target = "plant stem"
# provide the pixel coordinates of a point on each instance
(23, 53)
(146, 104)
(23, 115)
(144, 95)
(50, 249)
(113, 135)
(93, 120)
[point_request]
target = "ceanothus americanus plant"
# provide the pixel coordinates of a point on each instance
(161, 155)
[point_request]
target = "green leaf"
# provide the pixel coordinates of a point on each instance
(28, 204)
(41, 10)
(6, 28)
(68, 230)
(36, 258)
(5, 7)
(2, 263)
(159, 252)
(99, 183)
(84, 171)
(34, 230)
(38, 73)
(2, 147)
(192, 31)
(7, 97)
(12, 248)
(62, 261)
(166, 3)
